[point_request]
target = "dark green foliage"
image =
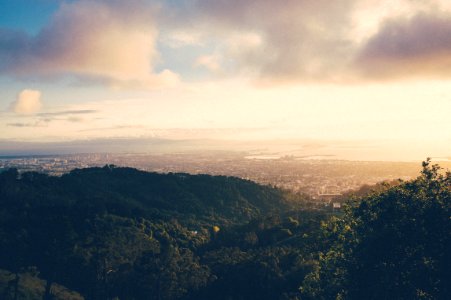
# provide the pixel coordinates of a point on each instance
(392, 245)
(121, 233)
(131, 193)
(31, 287)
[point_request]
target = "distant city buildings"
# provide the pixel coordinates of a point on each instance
(322, 180)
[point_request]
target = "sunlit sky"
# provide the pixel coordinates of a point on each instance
(361, 72)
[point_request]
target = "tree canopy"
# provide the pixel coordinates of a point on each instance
(120, 233)
(395, 244)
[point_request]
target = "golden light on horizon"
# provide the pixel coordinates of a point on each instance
(355, 71)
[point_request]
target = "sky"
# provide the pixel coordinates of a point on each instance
(372, 77)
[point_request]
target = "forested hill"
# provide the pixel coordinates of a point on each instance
(132, 193)
(119, 233)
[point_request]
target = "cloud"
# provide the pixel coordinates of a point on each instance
(210, 62)
(124, 44)
(68, 112)
(418, 46)
(27, 102)
(44, 119)
(73, 116)
(111, 40)
(114, 128)
(182, 38)
(20, 124)
(315, 41)
(299, 39)
(38, 123)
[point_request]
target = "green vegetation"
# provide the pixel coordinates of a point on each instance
(120, 233)
(395, 244)
(30, 286)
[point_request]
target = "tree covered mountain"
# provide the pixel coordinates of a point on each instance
(132, 193)
(120, 233)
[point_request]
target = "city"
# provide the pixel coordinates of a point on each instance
(317, 178)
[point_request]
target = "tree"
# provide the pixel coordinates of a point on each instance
(395, 244)
(169, 274)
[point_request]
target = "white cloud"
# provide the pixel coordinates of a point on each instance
(125, 43)
(301, 40)
(111, 41)
(27, 102)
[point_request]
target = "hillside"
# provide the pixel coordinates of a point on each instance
(119, 233)
(106, 223)
(132, 193)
